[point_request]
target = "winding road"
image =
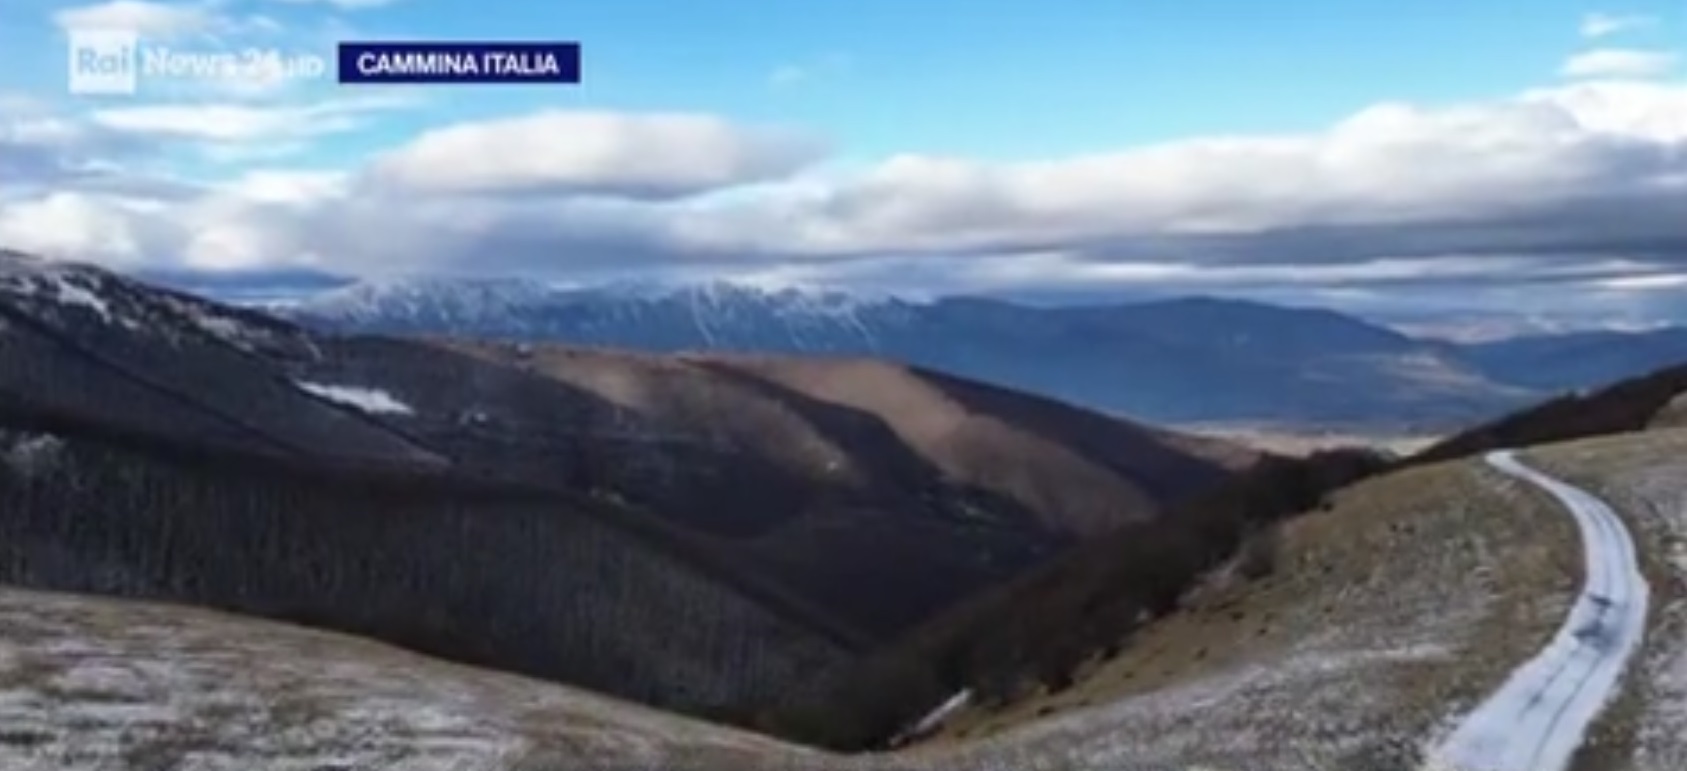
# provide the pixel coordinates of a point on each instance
(1540, 716)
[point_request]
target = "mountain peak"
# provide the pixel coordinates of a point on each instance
(47, 282)
(84, 300)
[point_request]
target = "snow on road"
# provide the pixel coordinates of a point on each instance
(1538, 718)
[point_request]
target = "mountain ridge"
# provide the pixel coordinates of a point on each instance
(1184, 360)
(145, 386)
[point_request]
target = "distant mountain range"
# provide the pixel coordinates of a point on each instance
(1190, 360)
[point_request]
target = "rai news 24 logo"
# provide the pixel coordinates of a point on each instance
(115, 62)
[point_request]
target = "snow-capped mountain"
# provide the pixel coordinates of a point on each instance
(1194, 359)
(647, 315)
(80, 299)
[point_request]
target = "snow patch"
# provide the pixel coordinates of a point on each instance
(1655, 486)
(64, 284)
(30, 454)
(371, 400)
(71, 293)
(230, 330)
(1320, 688)
(935, 718)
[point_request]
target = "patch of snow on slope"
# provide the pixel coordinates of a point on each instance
(1321, 689)
(61, 283)
(225, 328)
(1661, 489)
(936, 717)
(371, 400)
(1645, 476)
(93, 683)
(28, 453)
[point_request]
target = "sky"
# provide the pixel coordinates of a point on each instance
(1436, 159)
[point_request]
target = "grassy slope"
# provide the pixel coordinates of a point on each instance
(1339, 656)
(1478, 573)
(85, 682)
(1000, 641)
(1248, 675)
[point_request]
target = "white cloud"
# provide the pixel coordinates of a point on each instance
(79, 226)
(655, 155)
(39, 148)
(146, 18)
(1597, 25)
(1645, 283)
(225, 123)
(1619, 63)
(1389, 164)
(291, 186)
(1577, 183)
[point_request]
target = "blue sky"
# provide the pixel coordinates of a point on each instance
(1350, 151)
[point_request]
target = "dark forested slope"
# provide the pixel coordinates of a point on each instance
(699, 535)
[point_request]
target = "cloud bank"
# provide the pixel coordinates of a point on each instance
(1575, 188)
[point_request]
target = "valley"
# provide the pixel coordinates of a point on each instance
(870, 386)
(764, 560)
(1362, 674)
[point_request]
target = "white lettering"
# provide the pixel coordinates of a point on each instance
(522, 64)
(165, 62)
(415, 63)
(140, 60)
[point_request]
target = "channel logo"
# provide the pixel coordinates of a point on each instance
(119, 62)
(104, 62)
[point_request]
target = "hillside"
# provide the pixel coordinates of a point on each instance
(1620, 407)
(91, 682)
(1333, 659)
(1387, 614)
(1256, 664)
(801, 526)
(1174, 361)
(881, 492)
(431, 562)
(996, 646)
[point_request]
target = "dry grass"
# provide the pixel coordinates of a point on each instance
(1386, 616)
(1673, 415)
(1415, 594)
(89, 683)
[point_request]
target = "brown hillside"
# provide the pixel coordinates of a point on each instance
(825, 419)
(1004, 642)
(1081, 472)
(878, 490)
